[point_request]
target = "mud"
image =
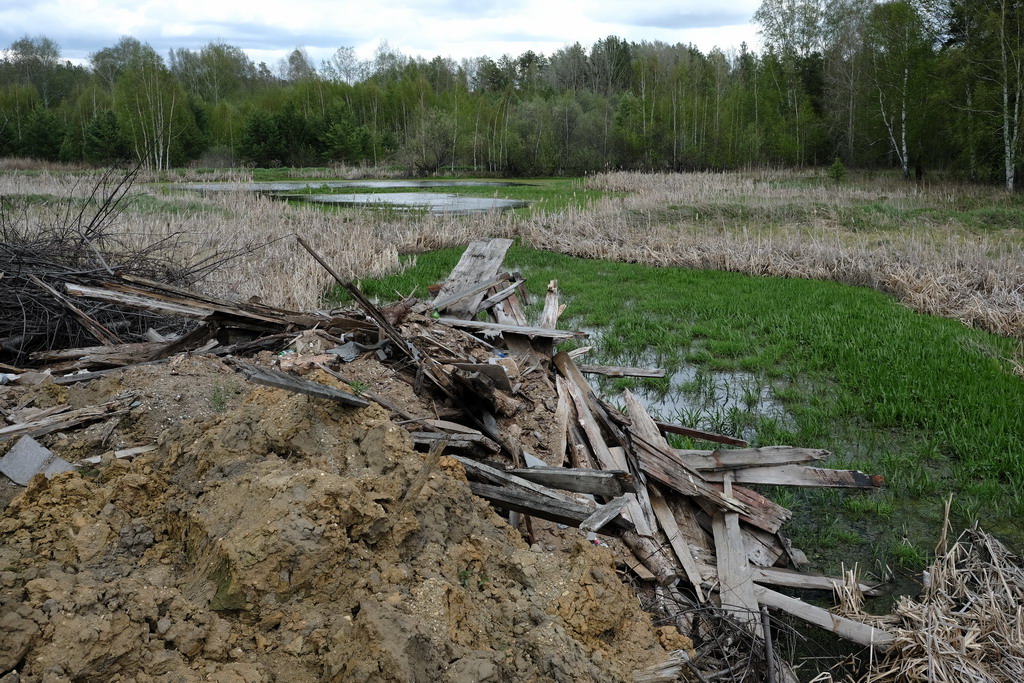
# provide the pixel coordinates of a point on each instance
(260, 542)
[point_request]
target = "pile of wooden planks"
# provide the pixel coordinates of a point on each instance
(686, 518)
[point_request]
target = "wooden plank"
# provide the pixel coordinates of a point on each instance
(473, 444)
(549, 317)
(448, 426)
(621, 371)
(610, 483)
(790, 578)
(762, 512)
(855, 631)
(281, 380)
(665, 467)
(677, 541)
(561, 421)
(64, 420)
(699, 540)
(581, 351)
(141, 302)
(497, 328)
(441, 303)
(479, 263)
(701, 434)
(536, 505)
(710, 461)
(497, 298)
(735, 589)
(642, 572)
(101, 354)
(763, 549)
(494, 372)
(606, 513)
(806, 477)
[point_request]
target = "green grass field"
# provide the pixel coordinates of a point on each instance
(925, 401)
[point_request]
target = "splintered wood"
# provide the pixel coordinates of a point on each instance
(686, 518)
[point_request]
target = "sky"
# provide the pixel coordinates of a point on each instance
(459, 29)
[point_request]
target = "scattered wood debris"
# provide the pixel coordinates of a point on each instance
(685, 519)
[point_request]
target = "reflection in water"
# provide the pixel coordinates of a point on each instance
(432, 202)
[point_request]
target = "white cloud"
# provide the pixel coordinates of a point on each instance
(451, 28)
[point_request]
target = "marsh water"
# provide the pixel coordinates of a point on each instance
(430, 202)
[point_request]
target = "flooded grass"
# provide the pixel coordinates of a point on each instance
(926, 402)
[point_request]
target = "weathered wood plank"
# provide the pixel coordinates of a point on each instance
(667, 469)
(549, 317)
(474, 444)
(806, 477)
(709, 461)
(280, 380)
(790, 578)
(64, 420)
(701, 434)
(855, 631)
(536, 505)
(441, 303)
(141, 302)
(561, 421)
(610, 483)
(677, 541)
(621, 371)
(735, 587)
(496, 328)
(606, 513)
(495, 373)
(479, 263)
(497, 298)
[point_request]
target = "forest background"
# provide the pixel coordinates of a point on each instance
(916, 85)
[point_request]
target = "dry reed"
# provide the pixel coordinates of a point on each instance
(968, 626)
(756, 223)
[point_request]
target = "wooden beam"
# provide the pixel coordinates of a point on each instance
(281, 380)
(441, 303)
(710, 461)
(514, 329)
(700, 434)
(610, 483)
(790, 578)
(855, 631)
(678, 542)
(549, 317)
(497, 298)
(606, 513)
(472, 444)
(621, 371)
(735, 587)
(807, 477)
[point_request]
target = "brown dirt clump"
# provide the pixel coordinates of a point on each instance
(259, 542)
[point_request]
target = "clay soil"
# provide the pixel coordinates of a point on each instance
(261, 541)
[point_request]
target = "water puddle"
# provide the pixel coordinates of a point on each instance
(431, 202)
(297, 185)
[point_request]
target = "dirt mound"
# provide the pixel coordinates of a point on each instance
(260, 542)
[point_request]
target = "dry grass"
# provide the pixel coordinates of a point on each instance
(766, 223)
(968, 626)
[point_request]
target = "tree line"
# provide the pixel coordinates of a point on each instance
(905, 84)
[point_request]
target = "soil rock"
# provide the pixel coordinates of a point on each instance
(260, 542)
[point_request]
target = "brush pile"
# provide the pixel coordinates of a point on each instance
(74, 241)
